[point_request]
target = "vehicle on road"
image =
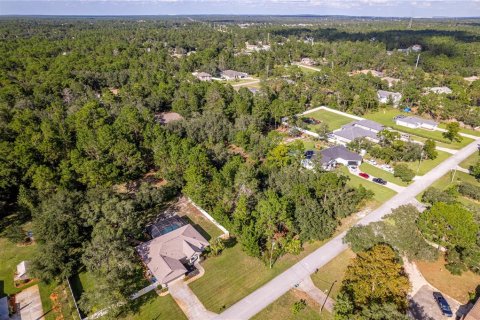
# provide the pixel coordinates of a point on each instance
(443, 304)
(379, 181)
(364, 175)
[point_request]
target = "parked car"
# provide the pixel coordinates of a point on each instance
(443, 304)
(353, 168)
(364, 175)
(309, 154)
(379, 181)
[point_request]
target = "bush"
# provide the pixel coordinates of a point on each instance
(14, 233)
(299, 306)
(403, 172)
(433, 195)
(469, 190)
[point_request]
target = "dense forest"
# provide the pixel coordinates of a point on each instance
(79, 99)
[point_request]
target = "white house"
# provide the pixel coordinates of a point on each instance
(330, 157)
(308, 61)
(233, 75)
(416, 122)
(384, 97)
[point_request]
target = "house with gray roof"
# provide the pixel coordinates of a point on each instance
(233, 75)
(385, 96)
(169, 255)
(330, 157)
(358, 129)
(416, 122)
(203, 76)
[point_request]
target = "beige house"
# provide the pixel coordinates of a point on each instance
(168, 255)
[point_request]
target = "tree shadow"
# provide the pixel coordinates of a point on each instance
(417, 311)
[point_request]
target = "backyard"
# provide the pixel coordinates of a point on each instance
(334, 120)
(385, 116)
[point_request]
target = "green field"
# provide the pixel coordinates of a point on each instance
(382, 193)
(379, 173)
(153, 307)
(427, 165)
(282, 309)
(385, 117)
(333, 271)
(470, 161)
(334, 121)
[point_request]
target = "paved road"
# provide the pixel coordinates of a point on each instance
(271, 291)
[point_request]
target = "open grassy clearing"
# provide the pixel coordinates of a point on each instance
(154, 307)
(333, 271)
(385, 117)
(436, 273)
(385, 175)
(307, 70)
(206, 228)
(334, 120)
(470, 161)
(382, 193)
(282, 309)
(421, 168)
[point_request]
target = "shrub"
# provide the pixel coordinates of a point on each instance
(299, 306)
(469, 190)
(403, 172)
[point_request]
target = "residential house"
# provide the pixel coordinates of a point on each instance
(308, 62)
(203, 76)
(386, 96)
(374, 73)
(391, 81)
(416, 122)
(256, 47)
(440, 90)
(330, 157)
(170, 255)
(358, 129)
(233, 75)
(471, 79)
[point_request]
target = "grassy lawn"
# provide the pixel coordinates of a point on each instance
(470, 161)
(154, 307)
(427, 165)
(385, 117)
(463, 130)
(334, 121)
(200, 223)
(82, 282)
(307, 70)
(377, 172)
(282, 309)
(441, 278)
(382, 193)
(333, 271)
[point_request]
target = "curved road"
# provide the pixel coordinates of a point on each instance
(271, 291)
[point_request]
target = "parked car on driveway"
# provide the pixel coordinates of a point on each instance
(379, 181)
(443, 304)
(364, 175)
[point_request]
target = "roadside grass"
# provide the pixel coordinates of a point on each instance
(385, 116)
(438, 276)
(154, 307)
(426, 165)
(377, 172)
(382, 193)
(334, 121)
(282, 309)
(470, 161)
(333, 271)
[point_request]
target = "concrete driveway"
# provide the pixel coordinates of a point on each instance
(271, 291)
(422, 305)
(29, 304)
(188, 301)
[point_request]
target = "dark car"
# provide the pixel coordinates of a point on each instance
(364, 175)
(443, 304)
(309, 154)
(379, 181)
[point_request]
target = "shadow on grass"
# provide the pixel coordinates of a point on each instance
(197, 227)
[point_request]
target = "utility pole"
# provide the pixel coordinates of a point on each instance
(418, 59)
(453, 175)
(419, 162)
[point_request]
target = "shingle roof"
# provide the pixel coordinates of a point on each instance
(203, 74)
(386, 94)
(339, 152)
(233, 73)
(353, 132)
(162, 255)
(474, 313)
(369, 124)
(417, 121)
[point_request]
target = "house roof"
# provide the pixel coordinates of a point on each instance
(353, 132)
(368, 124)
(440, 90)
(233, 73)
(4, 309)
(474, 313)
(163, 254)
(339, 152)
(203, 74)
(385, 94)
(417, 121)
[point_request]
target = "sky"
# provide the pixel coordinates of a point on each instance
(380, 8)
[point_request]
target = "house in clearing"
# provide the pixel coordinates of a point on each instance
(416, 122)
(233, 75)
(358, 129)
(203, 76)
(330, 157)
(173, 251)
(440, 90)
(386, 96)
